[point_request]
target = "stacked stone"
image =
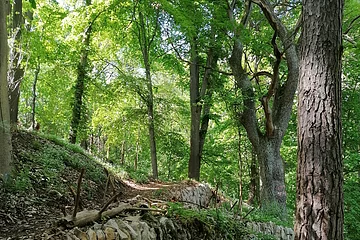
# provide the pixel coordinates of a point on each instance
(281, 233)
(118, 229)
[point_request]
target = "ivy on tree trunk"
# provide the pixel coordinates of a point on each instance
(80, 84)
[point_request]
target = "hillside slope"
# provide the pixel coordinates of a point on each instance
(42, 192)
(46, 171)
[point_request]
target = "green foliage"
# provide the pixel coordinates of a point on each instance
(212, 221)
(20, 182)
(47, 161)
(139, 176)
(351, 209)
(271, 214)
(59, 141)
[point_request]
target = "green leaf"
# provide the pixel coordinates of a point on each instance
(33, 4)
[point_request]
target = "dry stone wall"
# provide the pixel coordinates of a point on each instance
(281, 233)
(162, 228)
(158, 227)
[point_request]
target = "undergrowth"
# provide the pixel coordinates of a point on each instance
(215, 223)
(45, 159)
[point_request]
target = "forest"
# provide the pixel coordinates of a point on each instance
(258, 98)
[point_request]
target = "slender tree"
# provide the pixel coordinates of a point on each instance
(33, 101)
(80, 82)
(319, 211)
(5, 135)
(200, 95)
(16, 71)
(146, 36)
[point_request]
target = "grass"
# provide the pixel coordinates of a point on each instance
(216, 222)
(42, 160)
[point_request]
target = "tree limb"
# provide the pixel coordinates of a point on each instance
(351, 25)
(78, 193)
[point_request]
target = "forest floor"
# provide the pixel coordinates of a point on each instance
(44, 188)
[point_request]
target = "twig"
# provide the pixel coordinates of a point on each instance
(108, 202)
(233, 205)
(74, 196)
(78, 192)
(146, 209)
(351, 25)
(248, 213)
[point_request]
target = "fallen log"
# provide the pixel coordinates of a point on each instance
(86, 217)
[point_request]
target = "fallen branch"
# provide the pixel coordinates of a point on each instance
(73, 194)
(78, 192)
(108, 202)
(89, 216)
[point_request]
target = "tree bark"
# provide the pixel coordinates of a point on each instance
(319, 210)
(16, 71)
(33, 104)
(145, 44)
(271, 172)
(200, 104)
(5, 134)
(267, 145)
(254, 188)
(122, 154)
(194, 161)
(80, 84)
(240, 173)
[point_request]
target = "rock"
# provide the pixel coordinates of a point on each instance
(91, 234)
(124, 235)
(168, 225)
(290, 233)
(147, 232)
(68, 237)
(283, 235)
(137, 228)
(100, 235)
(126, 226)
(97, 226)
(109, 233)
(113, 224)
(80, 234)
(277, 231)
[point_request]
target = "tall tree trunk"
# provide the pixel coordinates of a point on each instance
(16, 71)
(240, 164)
(137, 149)
(320, 210)
(5, 134)
(195, 106)
(122, 157)
(205, 119)
(271, 171)
(33, 104)
(80, 84)
(254, 193)
(267, 145)
(145, 44)
(200, 104)
(136, 160)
